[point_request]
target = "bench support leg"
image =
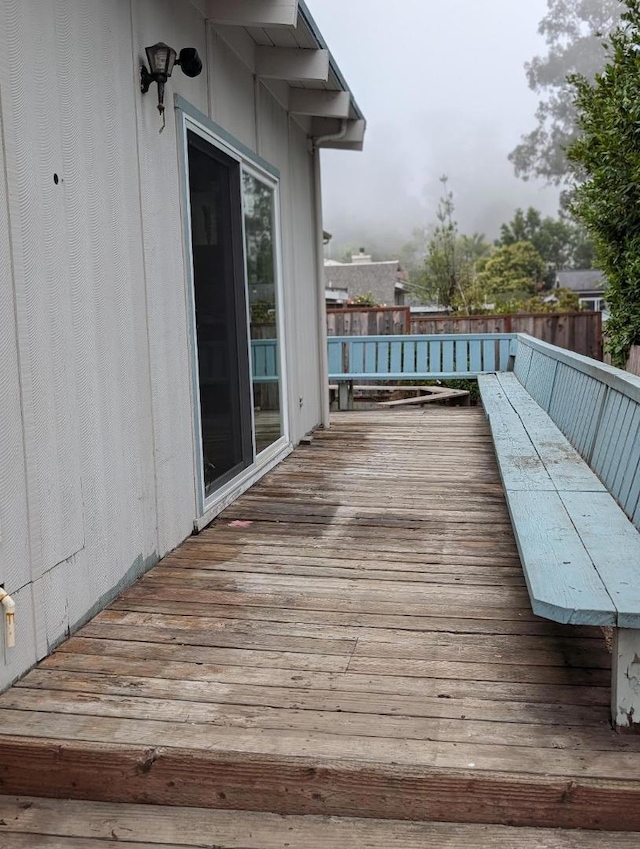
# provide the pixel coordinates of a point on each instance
(625, 689)
(345, 395)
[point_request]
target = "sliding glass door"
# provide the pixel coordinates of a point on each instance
(220, 313)
(233, 224)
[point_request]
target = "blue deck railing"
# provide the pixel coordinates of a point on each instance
(445, 356)
(264, 360)
(423, 357)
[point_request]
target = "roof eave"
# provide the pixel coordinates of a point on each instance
(325, 106)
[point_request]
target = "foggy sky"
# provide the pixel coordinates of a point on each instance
(443, 88)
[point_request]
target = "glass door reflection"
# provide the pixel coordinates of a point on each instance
(262, 271)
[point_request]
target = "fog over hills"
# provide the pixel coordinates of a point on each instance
(443, 87)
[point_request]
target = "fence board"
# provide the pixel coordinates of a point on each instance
(447, 356)
(462, 355)
(475, 354)
(489, 357)
(580, 332)
(369, 321)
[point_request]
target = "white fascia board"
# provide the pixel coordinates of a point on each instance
(253, 13)
(323, 104)
(290, 63)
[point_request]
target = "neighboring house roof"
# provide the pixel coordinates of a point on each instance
(380, 279)
(582, 282)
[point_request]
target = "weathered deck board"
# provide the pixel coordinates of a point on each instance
(352, 637)
(90, 825)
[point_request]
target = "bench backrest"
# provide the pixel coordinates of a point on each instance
(264, 360)
(424, 357)
(597, 407)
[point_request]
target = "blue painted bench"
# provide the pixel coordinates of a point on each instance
(401, 358)
(264, 360)
(213, 358)
(566, 432)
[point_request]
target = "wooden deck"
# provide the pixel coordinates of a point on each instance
(352, 637)
(29, 823)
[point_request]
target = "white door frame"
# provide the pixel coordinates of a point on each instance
(189, 118)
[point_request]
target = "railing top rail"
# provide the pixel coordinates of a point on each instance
(433, 337)
(622, 381)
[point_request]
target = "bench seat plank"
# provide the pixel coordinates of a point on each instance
(564, 465)
(521, 468)
(520, 465)
(563, 583)
(579, 544)
(613, 544)
(580, 553)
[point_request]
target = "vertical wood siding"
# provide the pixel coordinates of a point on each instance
(44, 299)
(304, 356)
(95, 368)
(14, 525)
(164, 268)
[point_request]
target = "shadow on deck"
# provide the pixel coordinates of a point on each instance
(352, 637)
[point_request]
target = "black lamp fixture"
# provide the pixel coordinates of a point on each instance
(161, 60)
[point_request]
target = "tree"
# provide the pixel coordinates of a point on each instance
(573, 30)
(258, 221)
(562, 300)
(511, 272)
(448, 272)
(608, 200)
(474, 247)
(560, 242)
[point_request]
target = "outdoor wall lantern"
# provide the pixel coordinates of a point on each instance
(161, 60)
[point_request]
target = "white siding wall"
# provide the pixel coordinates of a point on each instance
(232, 102)
(14, 523)
(304, 273)
(180, 25)
(96, 441)
(284, 144)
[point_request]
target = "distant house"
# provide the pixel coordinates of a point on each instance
(588, 284)
(336, 297)
(385, 281)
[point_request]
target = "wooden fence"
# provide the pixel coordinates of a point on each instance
(580, 332)
(369, 321)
